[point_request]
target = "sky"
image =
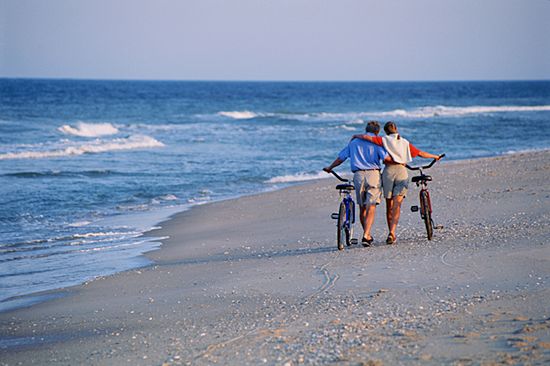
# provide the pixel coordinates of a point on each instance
(358, 40)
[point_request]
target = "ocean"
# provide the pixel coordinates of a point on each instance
(86, 167)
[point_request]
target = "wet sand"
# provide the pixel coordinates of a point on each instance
(258, 280)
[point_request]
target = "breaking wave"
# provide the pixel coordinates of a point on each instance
(95, 147)
(300, 177)
(83, 129)
(347, 128)
(239, 114)
(436, 111)
(413, 113)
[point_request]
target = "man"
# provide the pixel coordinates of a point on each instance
(365, 162)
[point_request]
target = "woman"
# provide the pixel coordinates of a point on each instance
(395, 179)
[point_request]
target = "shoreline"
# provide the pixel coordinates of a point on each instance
(167, 214)
(258, 268)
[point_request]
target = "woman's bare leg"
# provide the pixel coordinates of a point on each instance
(395, 213)
(389, 204)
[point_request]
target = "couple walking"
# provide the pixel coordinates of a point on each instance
(366, 153)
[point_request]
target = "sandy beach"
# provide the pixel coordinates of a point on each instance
(259, 280)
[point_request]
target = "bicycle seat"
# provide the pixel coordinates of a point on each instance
(348, 187)
(422, 177)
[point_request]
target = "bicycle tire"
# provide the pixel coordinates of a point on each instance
(349, 227)
(427, 214)
(340, 230)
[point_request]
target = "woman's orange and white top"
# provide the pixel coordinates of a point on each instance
(400, 149)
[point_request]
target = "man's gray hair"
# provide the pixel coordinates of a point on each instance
(373, 127)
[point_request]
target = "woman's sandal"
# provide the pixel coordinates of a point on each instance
(391, 239)
(367, 242)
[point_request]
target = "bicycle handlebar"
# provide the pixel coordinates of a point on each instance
(338, 177)
(425, 166)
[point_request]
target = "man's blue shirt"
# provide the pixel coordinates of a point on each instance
(363, 155)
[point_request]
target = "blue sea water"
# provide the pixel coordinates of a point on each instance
(87, 166)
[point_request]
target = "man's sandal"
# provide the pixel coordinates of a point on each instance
(367, 242)
(391, 239)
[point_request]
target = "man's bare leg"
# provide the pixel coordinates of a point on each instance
(363, 216)
(370, 212)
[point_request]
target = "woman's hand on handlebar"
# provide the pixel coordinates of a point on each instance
(327, 169)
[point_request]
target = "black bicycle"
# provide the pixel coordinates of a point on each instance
(424, 195)
(345, 217)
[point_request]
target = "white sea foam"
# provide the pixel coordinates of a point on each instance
(99, 234)
(522, 151)
(198, 200)
(79, 223)
(144, 127)
(359, 117)
(427, 112)
(168, 197)
(444, 111)
(348, 128)
(203, 195)
(142, 207)
(239, 114)
(83, 129)
(300, 177)
(93, 147)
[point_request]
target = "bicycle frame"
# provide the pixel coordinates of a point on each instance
(424, 197)
(423, 203)
(348, 213)
(350, 209)
(348, 200)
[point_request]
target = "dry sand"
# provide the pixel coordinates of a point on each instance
(259, 280)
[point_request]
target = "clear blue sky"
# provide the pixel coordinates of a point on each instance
(276, 39)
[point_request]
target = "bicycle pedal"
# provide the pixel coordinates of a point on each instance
(334, 215)
(438, 227)
(414, 208)
(354, 241)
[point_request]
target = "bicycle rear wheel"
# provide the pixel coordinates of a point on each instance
(427, 213)
(341, 230)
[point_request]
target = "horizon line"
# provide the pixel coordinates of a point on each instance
(268, 80)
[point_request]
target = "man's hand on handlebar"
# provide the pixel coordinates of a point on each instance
(327, 169)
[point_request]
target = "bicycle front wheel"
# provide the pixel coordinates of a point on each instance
(350, 219)
(427, 213)
(341, 229)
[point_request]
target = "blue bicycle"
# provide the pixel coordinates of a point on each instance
(346, 213)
